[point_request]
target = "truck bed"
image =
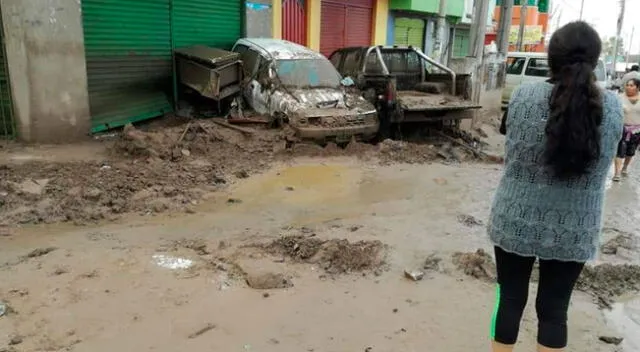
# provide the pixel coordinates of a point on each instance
(412, 100)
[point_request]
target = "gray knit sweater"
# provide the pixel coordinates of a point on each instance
(535, 214)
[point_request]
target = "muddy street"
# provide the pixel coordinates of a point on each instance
(322, 253)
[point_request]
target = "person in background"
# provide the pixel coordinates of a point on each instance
(631, 136)
(632, 73)
(561, 138)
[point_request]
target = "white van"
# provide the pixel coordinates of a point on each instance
(530, 67)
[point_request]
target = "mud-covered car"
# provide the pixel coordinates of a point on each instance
(296, 85)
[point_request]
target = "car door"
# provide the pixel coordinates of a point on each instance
(261, 86)
(515, 71)
(252, 90)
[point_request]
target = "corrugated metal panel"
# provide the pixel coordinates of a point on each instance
(345, 24)
(215, 23)
(6, 104)
(128, 49)
(294, 21)
(409, 31)
(359, 26)
(333, 25)
(461, 42)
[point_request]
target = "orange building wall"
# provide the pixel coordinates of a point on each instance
(533, 18)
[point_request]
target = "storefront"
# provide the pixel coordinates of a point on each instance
(409, 31)
(294, 21)
(128, 48)
(345, 24)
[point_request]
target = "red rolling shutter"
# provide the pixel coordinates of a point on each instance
(294, 21)
(345, 24)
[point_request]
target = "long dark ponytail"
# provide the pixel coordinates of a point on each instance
(575, 106)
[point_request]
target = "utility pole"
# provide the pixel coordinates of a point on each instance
(626, 60)
(581, 10)
(618, 31)
(476, 49)
(479, 28)
(441, 33)
(523, 20)
(504, 26)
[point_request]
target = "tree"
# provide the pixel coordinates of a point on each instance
(608, 44)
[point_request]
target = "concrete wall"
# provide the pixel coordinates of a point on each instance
(259, 18)
(47, 69)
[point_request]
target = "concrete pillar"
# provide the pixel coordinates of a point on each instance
(277, 19)
(47, 69)
(314, 12)
(259, 19)
(380, 22)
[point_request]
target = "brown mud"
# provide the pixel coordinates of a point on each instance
(166, 169)
(335, 256)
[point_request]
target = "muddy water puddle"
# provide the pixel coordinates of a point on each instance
(319, 192)
(625, 318)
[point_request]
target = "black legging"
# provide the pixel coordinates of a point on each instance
(557, 280)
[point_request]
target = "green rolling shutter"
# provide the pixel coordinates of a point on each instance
(461, 42)
(6, 104)
(128, 51)
(409, 31)
(207, 22)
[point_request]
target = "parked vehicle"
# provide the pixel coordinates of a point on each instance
(401, 82)
(296, 85)
(525, 67)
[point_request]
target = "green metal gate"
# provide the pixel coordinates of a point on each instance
(129, 46)
(7, 126)
(128, 50)
(207, 22)
(409, 31)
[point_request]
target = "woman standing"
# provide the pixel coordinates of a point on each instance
(631, 135)
(561, 139)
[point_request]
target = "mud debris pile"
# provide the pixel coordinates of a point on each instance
(143, 175)
(624, 244)
(608, 281)
(164, 169)
(478, 265)
(336, 256)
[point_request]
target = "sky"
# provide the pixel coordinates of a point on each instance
(603, 17)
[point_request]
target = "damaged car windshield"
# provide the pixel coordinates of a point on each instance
(311, 73)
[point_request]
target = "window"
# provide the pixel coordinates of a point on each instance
(250, 58)
(351, 62)
(397, 61)
(240, 48)
(537, 68)
(308, 73)
(336, 58)
(373, 64)
(263, 70)
(515, 65)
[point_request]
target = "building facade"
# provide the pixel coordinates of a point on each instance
(536, 24)
(73, 67)
(413, 22)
